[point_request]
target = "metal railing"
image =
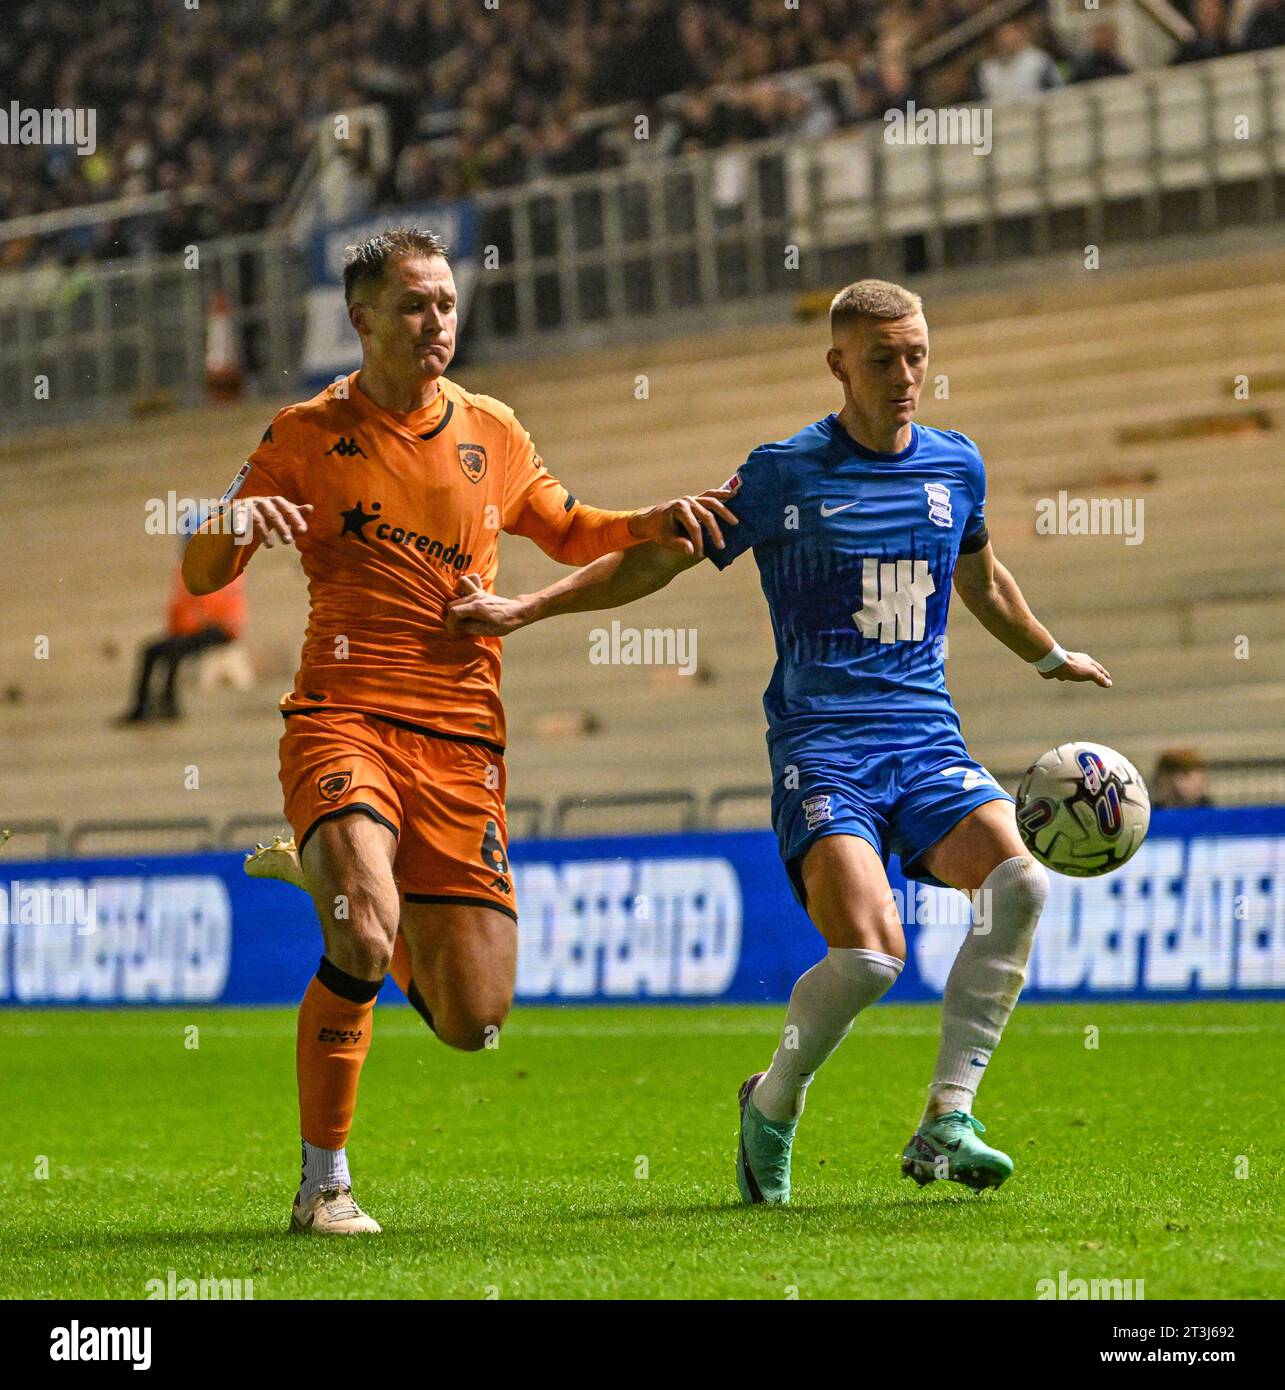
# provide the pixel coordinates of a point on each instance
(134, 331)
(702, 240)
(1233, 782)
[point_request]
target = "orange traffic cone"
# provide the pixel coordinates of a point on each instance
(224, 377)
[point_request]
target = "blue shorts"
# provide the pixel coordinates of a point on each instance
(899, 800)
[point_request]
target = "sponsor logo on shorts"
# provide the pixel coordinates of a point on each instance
(334, 784)
(817, 810)
(473, 461)
(493, 855)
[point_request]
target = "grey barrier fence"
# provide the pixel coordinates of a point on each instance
(703, 239)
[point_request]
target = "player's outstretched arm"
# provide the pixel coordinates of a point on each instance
(218, 552)
(677, 525)
(615, 579)
(991, 595)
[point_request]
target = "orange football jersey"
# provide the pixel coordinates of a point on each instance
(403, 505)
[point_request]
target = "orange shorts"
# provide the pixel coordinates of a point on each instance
(442, 797)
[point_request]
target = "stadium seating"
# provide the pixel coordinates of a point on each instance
(1048, 381)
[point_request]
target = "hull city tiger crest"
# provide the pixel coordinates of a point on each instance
(473, 461)
(334, 784)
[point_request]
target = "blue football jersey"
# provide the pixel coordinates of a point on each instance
(856, 551)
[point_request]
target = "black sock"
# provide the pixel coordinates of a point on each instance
(346, 986)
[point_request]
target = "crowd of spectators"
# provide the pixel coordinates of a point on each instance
(226, 98)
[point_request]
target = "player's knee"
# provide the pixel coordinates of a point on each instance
(367, 953)
(1017, 891)
(466, 1034)
(1031, 885)
(469, 1029)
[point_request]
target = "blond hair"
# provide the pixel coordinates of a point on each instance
(872, 299)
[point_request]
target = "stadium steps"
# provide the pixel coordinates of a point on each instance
(793, 372)
(1101, 307)
(1044, 379)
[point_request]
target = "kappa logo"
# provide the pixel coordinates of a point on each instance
(473, 461)
(346, 449)
(817, 809)
(938, 504)
(332, 785)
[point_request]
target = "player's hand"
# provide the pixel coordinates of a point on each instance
(1079, 666)
(475, 613)
(262, 518)
(677, 525)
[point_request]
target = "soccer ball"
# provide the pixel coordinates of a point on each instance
(1082, 809)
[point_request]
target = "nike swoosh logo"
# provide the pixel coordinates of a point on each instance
(832, 511)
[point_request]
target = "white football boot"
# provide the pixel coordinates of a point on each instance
(279, 860)
(332, 1213)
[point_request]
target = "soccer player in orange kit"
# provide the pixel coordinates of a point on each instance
(395, 482)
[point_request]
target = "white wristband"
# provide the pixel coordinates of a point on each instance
(1052, 659)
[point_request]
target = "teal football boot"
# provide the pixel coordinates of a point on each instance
(763, 1158)
(948, 1149)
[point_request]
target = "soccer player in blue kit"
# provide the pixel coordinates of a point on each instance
(859, 524)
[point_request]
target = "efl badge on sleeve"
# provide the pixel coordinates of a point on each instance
(235, 485)
(473, 461)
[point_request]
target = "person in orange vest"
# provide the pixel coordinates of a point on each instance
(194, 624)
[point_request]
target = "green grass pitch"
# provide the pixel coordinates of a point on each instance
(591, 1156)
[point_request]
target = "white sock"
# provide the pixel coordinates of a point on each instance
(323, 1169)
(985, 980)
(823, 1005)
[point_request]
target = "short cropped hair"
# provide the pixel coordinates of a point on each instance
(366, 263)
(872, 299)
